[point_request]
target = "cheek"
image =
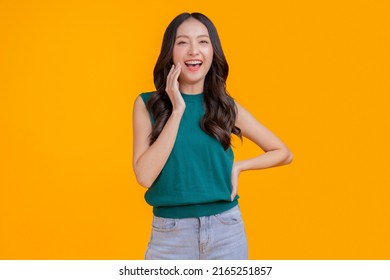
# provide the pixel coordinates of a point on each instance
(175, 59)
(210, 56)
(211, 53)
(208, 66)
(177, 54)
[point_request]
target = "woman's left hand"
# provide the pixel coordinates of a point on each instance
(235, 173)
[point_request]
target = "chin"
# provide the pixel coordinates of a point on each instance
(192, 79)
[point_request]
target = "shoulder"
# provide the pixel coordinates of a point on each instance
(245, 120)
(146, 95)
(241, 111)
(140, 108)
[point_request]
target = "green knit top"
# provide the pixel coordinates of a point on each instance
(196, 179)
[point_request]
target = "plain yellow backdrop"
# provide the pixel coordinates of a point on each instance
(314, 72)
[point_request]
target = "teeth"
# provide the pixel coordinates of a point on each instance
(193, 62)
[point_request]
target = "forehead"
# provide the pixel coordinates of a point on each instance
(192, 28)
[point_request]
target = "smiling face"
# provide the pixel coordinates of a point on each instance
(194, 51)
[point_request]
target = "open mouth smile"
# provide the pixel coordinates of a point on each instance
(194, 64)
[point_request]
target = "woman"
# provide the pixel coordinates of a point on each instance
(182, 147)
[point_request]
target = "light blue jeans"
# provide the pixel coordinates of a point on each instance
(216, 237)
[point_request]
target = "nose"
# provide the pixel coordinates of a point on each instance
(193, 50)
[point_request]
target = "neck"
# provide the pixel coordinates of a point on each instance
(191, 89)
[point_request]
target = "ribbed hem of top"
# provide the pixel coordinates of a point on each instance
(193, 211)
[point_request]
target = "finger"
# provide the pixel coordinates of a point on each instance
(178, 68)
(233, 194)
(171, 71)
(169, 78)
(172, 78)
(177, 73)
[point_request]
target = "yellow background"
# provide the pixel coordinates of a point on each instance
(315, 72)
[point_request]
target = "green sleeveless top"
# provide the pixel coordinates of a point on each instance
(196, 179)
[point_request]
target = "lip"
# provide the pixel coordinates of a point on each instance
(201, 61)
(193, 68)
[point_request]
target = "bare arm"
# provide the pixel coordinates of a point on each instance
(276, 152)
(148, 161)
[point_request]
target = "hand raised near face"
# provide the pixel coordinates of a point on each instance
(172, 89)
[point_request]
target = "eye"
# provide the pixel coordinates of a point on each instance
(181, 42)
(204, 42)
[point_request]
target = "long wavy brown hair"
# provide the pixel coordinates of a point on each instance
(220, 109)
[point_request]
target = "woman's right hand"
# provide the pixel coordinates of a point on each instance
(172, 89)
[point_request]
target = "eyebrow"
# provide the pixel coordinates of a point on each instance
(185, 36)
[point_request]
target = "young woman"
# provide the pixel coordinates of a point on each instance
(182, 147)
